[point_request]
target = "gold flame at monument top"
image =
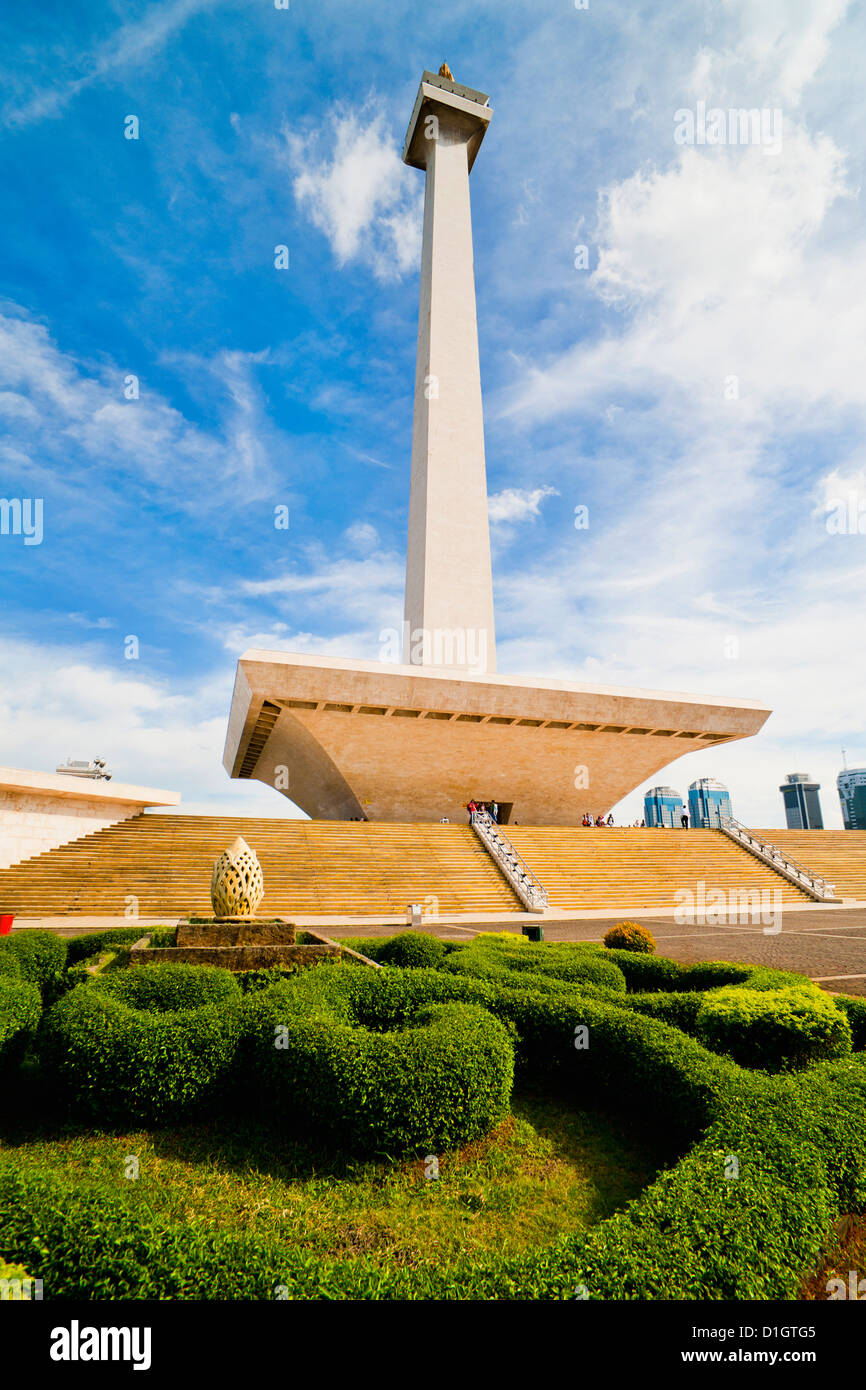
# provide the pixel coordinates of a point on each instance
(237, 885)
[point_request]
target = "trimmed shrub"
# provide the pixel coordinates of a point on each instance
(171, 986)
(630, 936)
(9, 967)
(537, 965)
(643, 972)
(712, 974)
(41, 955)
(679, 1009)
(855, 1010)
(154, 1043)
(20, 1008)
(799, 1140)
(411, 950)
(774, 1029)
(81, 948)
(439, 1078)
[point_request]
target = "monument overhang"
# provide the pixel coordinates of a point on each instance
(435, 93)
(345, 738)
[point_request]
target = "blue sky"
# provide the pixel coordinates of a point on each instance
(711, 562)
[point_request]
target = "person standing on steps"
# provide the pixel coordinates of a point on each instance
(684, 819)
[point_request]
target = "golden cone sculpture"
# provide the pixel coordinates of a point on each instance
(237, 886)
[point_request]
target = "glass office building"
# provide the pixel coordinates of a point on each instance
(851, 785)
(708, 801)
(662, 806)
(802, 804)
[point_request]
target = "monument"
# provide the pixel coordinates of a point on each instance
(416, 740)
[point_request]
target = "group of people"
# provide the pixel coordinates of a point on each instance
(483, 808)
(597, 820)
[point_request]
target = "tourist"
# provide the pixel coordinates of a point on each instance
(610, 819)
(684, 819)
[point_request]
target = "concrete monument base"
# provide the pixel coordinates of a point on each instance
(345, 739)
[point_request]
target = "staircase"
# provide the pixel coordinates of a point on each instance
(331, 868)
(518, 873)
(622, 869)
(310, 868)
(839, 855)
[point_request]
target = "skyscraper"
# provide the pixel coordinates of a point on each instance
(663, 806)
(802, 803)
(851, 784)
(709, 800)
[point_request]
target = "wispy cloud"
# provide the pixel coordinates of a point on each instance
(361, 195)
(131, 45)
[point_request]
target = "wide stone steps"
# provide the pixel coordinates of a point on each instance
(164, 862)
(838, 855)
(618, 867)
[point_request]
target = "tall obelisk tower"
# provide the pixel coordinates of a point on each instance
(449, 584)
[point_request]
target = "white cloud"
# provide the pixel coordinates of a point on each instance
(56, 401)
(71, 702)
(364, 199)
(516, 504)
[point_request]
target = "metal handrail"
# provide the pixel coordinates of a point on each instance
(751, 839)
(527, 887)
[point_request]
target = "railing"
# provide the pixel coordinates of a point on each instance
(790, 868)
(516, 870)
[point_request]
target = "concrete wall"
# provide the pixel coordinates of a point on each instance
(31, 823)
(43, 810)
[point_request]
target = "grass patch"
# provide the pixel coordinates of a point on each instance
(546, 1169)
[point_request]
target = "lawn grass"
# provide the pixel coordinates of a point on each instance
(546, 1171)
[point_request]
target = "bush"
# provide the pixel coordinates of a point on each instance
(855, 1010)
(799, 1140)
(20, 1007)
(439, 1078)
(712, 974)
(774, 1029)
(679, 1009)
(630, 936)
(537, 966)
(152, 1043)
(80, 948)
(9, 967)
(642, 972)
(411, 950)
(41, 955)
(170, 986)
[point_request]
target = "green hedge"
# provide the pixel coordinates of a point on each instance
(775, 1029)
(153, 1043)
(743, 1215)
(401, 1060)
(426, 1076)
(20, 1008)
(494, 958)
(855, 1011)
(9, 967)
(40, 955)
(411, 950)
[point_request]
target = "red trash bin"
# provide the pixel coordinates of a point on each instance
(6, 921)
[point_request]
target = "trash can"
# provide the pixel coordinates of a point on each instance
(6, 920)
